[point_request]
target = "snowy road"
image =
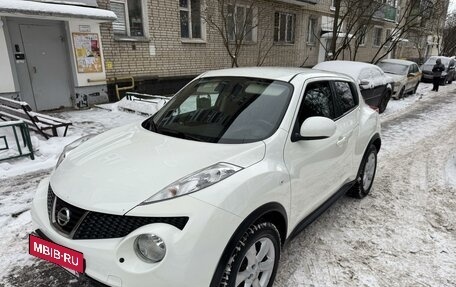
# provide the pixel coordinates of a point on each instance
(402, 234)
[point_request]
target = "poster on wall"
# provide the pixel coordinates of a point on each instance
(87, 52)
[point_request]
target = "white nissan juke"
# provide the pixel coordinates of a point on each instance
(208, 190)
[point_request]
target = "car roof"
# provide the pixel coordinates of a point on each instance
(398, 61)
(350, 68)
(273, 73)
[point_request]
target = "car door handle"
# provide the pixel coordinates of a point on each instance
(341, 141)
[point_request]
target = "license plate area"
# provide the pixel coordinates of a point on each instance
(69, 259)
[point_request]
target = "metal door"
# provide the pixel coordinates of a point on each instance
(47, 66)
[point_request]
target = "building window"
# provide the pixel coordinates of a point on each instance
(362, 33)
(129, 18)
(388, 38)
(240, 23)
(333, 5)
(190, 19)
(284, 27)
(312, 31)
(378, 32)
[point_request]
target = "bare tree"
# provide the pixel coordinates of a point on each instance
(449, 36)
(351, 17)
(236, 22)
(414, 15)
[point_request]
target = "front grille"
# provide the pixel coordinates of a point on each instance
(85, 224)
(100, 225)
(50, 201)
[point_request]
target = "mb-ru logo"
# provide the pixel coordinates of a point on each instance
(63, 216)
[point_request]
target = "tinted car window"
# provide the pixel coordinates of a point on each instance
(318, 101)
(345, 97)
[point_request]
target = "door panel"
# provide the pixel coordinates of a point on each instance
(47, 65)
(316, 167)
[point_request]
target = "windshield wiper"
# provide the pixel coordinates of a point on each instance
(181, 135)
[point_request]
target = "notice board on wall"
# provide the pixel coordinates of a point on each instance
(87, 52)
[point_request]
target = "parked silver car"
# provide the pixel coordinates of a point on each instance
(376, 87)
(406, 75)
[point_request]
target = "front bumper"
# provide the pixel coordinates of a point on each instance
(202, 240)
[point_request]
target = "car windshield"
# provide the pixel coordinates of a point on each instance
(393, 68)
(224, 110)
(432, 61)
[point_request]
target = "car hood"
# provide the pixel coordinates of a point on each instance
(429, 67)
(397, 78)
(121, 168)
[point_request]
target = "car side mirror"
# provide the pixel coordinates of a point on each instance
(365, 84)
(316, 128)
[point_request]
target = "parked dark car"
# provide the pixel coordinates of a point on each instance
(376, 87)
(448, 76)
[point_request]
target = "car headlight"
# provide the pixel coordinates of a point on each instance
(71, 147)
(195, 181)
(150, 248)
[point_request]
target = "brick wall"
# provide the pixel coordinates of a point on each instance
(164, 54)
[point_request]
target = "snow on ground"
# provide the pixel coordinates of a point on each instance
(92, 121)
(17, 189)
(396, 106)
(402, 234)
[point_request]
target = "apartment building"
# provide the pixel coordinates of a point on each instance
(163, 44)
(85, 47)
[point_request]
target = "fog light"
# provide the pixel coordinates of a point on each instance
(150, 248)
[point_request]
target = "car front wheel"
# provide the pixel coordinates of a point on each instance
(254, 259)
(366, 174)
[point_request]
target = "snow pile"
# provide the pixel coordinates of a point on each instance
(59, 10)
(450, 171)
(137, 105)
(396, 106)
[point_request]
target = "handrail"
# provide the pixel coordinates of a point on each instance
(114, 80)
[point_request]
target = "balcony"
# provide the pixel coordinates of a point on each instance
(299, 2)
(386, 12)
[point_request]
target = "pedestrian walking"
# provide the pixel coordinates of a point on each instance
(437, 70)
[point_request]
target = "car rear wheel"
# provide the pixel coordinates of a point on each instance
(254, 259)
(416, 88)
(401, 93)
(366, 174)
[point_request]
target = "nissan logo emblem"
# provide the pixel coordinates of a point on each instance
(63, 216)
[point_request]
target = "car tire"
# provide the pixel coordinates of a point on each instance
(254, 259)
(366, 174)
(416, 88)
(384, 102)
(443, 81)
(401, 93)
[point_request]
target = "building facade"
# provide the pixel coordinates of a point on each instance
(156, 46)
(51, 53)
(163, 44)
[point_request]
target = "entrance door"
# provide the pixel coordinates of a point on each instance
(44, 79)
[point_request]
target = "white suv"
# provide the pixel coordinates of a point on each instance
(207, 191)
